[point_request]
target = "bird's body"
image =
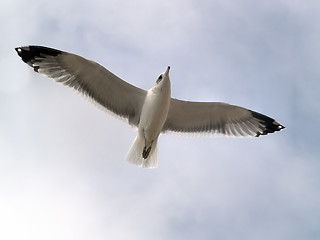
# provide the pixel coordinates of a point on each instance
(154, 111)
(153, 116)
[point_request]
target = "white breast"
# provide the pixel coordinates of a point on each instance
(154, 112)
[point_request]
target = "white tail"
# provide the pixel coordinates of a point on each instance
(135, 154)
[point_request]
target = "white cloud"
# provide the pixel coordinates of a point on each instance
(62, 168)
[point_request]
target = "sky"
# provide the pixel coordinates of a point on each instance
(63, 173)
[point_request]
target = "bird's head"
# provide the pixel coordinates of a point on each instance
(164, 77)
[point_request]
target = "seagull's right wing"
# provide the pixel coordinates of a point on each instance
(217, 118)
(89, 78)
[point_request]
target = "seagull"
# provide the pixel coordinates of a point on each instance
(153, 111)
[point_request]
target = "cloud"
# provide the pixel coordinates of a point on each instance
(62, 168)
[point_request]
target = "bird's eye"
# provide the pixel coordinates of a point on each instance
(159, 78)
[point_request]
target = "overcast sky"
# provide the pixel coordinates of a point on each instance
(63, 173)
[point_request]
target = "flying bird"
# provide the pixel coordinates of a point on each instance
(153, 111)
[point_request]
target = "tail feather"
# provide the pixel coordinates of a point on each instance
(135, 154)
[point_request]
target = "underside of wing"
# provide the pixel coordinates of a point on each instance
(87, 77)
(217, 118)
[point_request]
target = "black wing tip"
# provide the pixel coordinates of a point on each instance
(270, 130)
(269, 124)
(28, 53)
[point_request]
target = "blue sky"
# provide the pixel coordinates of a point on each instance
(63, 173)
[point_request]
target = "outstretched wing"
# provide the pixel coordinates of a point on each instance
(89, 78)
(217, 118)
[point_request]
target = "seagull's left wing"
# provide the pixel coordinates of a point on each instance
(217, 117)
(89, 78)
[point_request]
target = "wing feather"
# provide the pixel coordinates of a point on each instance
(217, 118)
(87, 77)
